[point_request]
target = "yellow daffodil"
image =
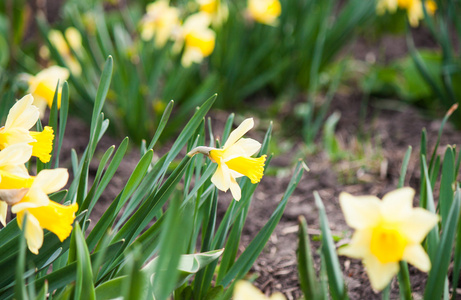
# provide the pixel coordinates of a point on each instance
(265, 11)
(199, 39)
(14, 178)
(21, 117)
(43, 85)
(414, 8)
(244, 290)
(75, 41)
(217, 10)
(386, 232)
(234, 160)
(42, 213)
(160, 22)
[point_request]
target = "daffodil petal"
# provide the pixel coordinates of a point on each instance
(23, 114)
(35, 197)
(243, 147)
(52, 180)
(360, 212)
(238, 132)
(33, 233)
(398, 204)
(418, 224)
(415, 255)
(17, 154)
(235, 189)
(221, 178)
(244, 290)
(380, 274)
(359, 247)
(3, 211)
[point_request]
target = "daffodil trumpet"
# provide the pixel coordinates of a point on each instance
(234, 160)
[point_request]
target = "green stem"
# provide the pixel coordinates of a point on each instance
(404, 281)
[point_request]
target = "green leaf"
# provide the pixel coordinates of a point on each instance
(307, 276)
(403, 170)
(438, 273)
(446, 183)
(84, 288)
(337, 286)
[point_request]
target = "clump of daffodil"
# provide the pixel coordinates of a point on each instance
(21, 117)
(386, 232)
(265, 11)
(217, 10)
(56, 38)
(14, 178)
(244, 290)
(159, 22)
(43, 85)
(234, 160)
(42, 213)
(414, 8)
(199, 39)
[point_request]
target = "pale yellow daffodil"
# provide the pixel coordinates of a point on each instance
(13, 175)
(43, 85)
(217, 10)
(42, 213)
(265, 11)
(74, 38)
(160, 22)
(199, 39)
(386, 232)
(244, 290)
(21, 117)
(234, 160)
(414, 8)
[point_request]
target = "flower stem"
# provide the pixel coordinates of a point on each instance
(404, 281)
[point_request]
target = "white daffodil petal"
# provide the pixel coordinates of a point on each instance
(221, 178)
(238, 132)
(416, 256)
(359, 247)
(50, 181)
(380, 274)
(191, 55)
(33, 234)
(244, 290)
(17, 154)
(52, 75)
(418, 224)
(397, 205)
(235, 189)
(360, 212)
(243, 147)
(23, 114)
(3, 211)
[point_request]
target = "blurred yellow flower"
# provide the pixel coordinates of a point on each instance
(234, 160)
(386, 232)
(414, 8)
(21, 117)
(43, 85)
(42, 213)
(160, 22)
(265, 11)
(244, 290)
(199, 39)
(59, 42)
(13, 175)
(217, 10)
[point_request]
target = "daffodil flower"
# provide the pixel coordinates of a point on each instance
(217, 10)
(43, 85)
(199, 39)
(21, 117)
(234, 160)
(160, 21)
(74, 38)
(265, 11)
(42, 213)
(14, 178)
(386, 232)
(414, 8)
(244, 290)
